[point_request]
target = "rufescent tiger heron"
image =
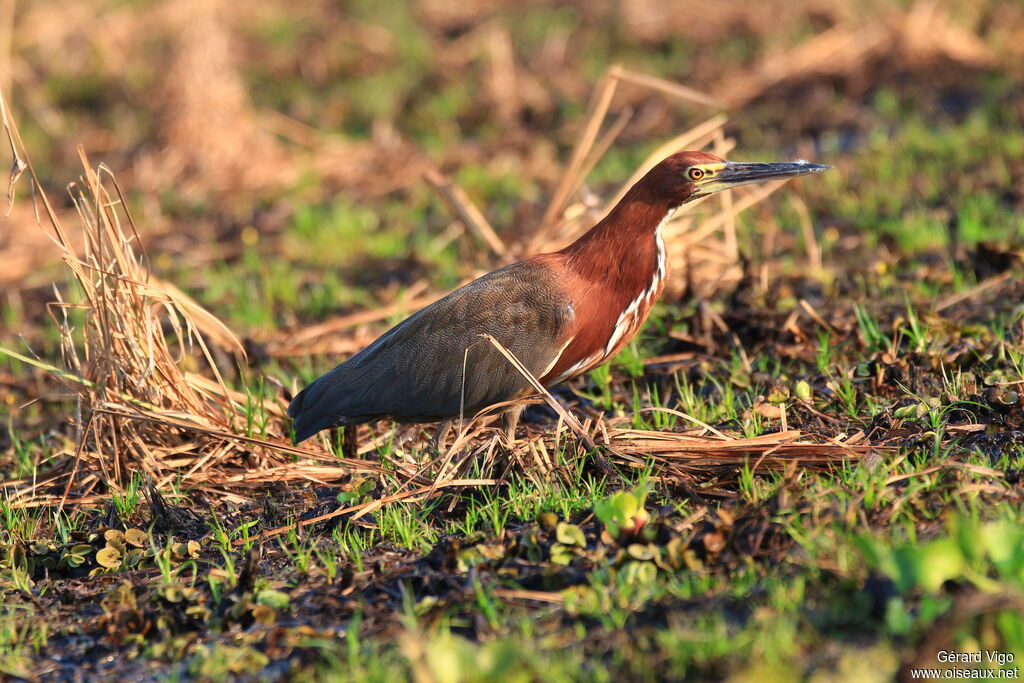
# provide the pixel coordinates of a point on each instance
(561, 314)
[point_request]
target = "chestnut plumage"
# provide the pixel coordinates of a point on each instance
(561, 313)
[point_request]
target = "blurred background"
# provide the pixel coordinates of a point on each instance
(274, 158)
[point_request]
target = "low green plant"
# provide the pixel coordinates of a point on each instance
(623, 514)
(988, 555)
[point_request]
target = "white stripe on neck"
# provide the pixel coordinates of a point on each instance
(629, 319)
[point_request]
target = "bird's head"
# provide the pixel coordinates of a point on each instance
(686, 176)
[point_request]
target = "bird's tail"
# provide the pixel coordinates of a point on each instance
(328, 401)
(307, 419)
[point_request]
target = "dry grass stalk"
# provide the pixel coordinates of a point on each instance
(701, 450)
(600, 101)
(983, 286)
(463, 208)
(563, 414)
(840, 50)
(666, 87)
(716, 460)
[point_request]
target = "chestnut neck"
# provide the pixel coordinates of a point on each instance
(621, 249)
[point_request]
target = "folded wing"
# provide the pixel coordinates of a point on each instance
(414, 372)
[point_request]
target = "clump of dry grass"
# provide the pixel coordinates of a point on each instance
(212, 138)
(150, 398)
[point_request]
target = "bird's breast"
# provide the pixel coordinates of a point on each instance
(608, 314)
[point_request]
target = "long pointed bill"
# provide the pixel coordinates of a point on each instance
(736, 173)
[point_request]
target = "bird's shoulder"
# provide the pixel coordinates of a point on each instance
(525, 289)
(526, 295)
(537, 274)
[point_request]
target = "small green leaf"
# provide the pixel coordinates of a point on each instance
(740, 379)
(562, 554)
(938, 562)
(641, 551)
(42, 547)
(264, 614)
(469, 558)
(547, 520)
(803, 390)
(173, 593)
(136, 537)
(570, 534)
(907, 412)
(897, 617)
(638, 573)
(134, 557)
(623, 513)
(674, 552)
(425, 604)
(272, 598)
(108, 557)
(1003, 541)
(347, 497)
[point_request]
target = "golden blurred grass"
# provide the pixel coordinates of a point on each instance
(191, 102)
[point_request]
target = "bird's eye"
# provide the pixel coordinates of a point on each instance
(696, 173)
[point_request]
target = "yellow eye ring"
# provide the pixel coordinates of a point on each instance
(696, 173)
